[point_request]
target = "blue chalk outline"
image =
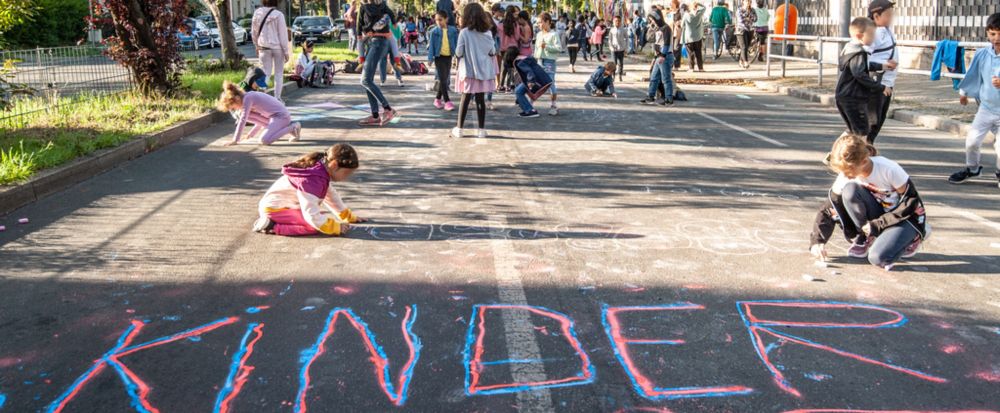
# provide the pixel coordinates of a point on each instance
(234, 368)
(308, 356)
(467, 360)
(635, 381)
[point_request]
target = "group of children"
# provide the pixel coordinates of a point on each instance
(873, 199)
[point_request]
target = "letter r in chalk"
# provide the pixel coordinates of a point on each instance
(642, 384)
(137, 390)
(473, 354)
(757, 327)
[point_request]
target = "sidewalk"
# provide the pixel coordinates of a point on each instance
(918, 100)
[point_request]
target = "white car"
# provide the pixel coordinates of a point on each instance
(241, 35)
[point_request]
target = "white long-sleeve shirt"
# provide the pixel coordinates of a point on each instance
(885, 49)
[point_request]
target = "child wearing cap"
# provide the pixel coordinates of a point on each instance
(982, 82)
(884, 53)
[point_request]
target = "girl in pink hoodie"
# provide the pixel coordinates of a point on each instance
(304, 202)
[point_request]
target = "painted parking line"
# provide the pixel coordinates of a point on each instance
(518, 329)
(742, 129)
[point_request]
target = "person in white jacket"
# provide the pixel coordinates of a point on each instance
(270, 37)
(304, 202)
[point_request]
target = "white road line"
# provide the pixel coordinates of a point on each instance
(518, 330)
(977, 218)
(742, 129)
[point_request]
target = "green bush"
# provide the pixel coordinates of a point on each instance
(56, 23)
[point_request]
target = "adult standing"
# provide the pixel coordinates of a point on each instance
(793, 24)
(719, 20)
(639, 25)
(761, 28)
(374, 22)
(883, 52)
(693, 34)
(746, 19)
(270, 37)
(350, 23)
(561, 29)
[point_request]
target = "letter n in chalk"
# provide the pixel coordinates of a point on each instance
(137, 390)
(642, 384)
(759, 327)
(473, 354)
(396, 391)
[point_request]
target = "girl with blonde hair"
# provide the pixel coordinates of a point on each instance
(875, 203)
(266, 112)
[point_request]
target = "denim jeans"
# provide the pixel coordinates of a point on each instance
(382, 71)
(520, 93)
(718, 40)
(376, 49)
(862, 207)
(661, 73)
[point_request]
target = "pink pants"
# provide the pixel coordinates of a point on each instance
(276, 127)
(291, 223)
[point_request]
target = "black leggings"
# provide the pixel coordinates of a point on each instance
(573, 52)
(695, 56)
(744, 39)
(879, 107)
(442, 65)
(463, 109)
(620, 62)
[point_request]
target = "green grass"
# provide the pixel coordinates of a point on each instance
(83, 124)
(335, 51)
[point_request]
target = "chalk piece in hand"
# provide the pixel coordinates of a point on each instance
(22, 221)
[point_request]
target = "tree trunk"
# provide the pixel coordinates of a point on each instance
(333, 8)
(154, 78)
(221, 11)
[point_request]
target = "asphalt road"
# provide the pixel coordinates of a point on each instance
(617, 257)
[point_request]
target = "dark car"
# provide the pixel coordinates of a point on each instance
(315, 28)
(195, 35)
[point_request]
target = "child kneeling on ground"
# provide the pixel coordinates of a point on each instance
(876, 204)
(602, 81)
(265, 111)
(304, 202)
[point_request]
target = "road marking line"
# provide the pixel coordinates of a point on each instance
(742, 129)
(518, 330)
(977, 218)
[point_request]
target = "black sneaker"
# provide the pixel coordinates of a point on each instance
(648, 101)
(532, 114)
(964, 175)
(665, 102)
(998, 179)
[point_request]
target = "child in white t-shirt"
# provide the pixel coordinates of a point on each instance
(876, 204)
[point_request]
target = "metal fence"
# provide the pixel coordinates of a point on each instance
(820, 41)
(57, 75)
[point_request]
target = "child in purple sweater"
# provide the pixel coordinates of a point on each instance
(261, 109)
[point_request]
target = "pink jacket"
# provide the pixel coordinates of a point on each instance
(309, 190)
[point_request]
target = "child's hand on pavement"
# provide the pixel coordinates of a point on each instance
(963, 100)
(819, 252)
(344, 228)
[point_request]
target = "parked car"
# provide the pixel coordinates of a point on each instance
(195, 35)
(242, 36)
(339, 28)
(315, 28)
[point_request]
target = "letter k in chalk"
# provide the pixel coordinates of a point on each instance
(137, 390)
